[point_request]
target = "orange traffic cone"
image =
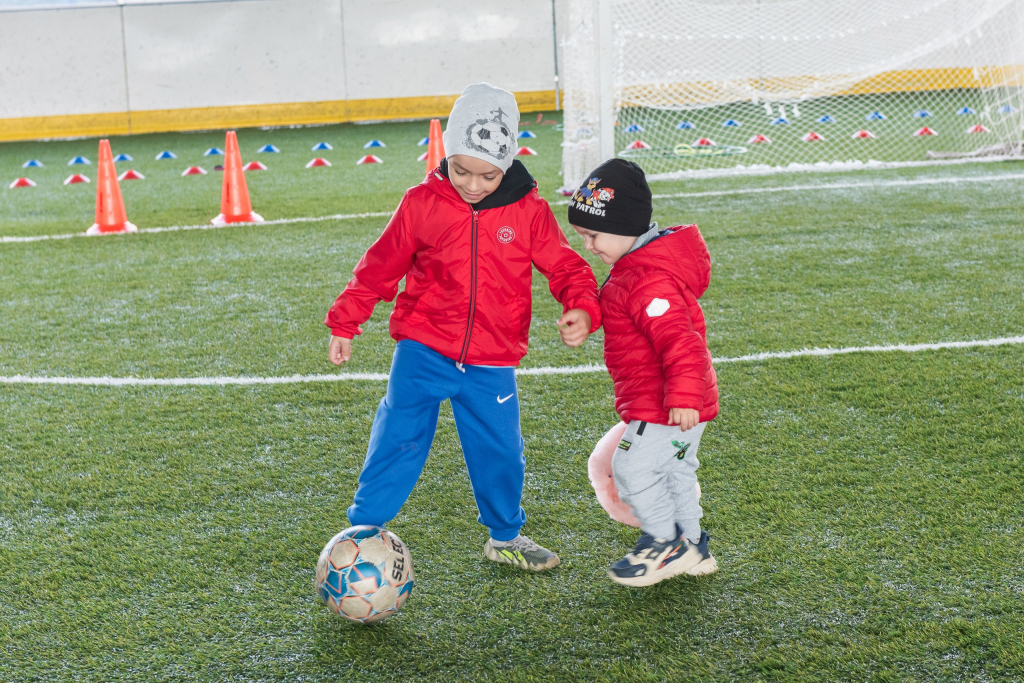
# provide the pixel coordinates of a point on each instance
(235, 206)
(435, 147)
(110, 213)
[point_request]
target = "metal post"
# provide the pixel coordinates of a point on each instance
(606, 78)
(554, 34)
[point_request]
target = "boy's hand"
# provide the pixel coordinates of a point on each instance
(340, 350)
(686, 418)
(574, 327)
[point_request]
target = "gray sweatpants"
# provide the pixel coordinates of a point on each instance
(655, 468)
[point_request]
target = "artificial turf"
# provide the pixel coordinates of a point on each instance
(864, 509)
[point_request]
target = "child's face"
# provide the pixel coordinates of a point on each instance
(604, 245)
(473, 178)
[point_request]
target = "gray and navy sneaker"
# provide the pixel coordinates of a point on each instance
(656, 559)
(521, 552)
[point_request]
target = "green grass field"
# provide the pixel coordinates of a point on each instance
(865, 508)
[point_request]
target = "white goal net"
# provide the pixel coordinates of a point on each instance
(699, 87)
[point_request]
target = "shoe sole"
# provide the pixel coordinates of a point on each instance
(708, 566)
(491, 554)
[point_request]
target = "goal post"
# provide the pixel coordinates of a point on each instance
(703, 87)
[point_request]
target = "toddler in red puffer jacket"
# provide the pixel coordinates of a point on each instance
(657, 354)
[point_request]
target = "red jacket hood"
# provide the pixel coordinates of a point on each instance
(682, 252)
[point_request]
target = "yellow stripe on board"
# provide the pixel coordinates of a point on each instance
(244, 116)
(781, 88)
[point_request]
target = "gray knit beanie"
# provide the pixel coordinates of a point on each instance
(484, 124)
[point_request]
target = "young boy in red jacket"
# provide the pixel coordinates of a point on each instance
(465, 240)
(655, 347)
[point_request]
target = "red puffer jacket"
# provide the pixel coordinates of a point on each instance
(468, 271)
(655, 344)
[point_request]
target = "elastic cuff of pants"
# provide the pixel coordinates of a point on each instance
(691, 528)
(666, 530)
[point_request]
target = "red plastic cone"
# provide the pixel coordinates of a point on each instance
(22, 182)
(235, 206)
(131, 174)
(435, 147)
(110, 213)
(525, 152)
(319, 161)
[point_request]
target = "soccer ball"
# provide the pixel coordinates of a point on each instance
(492, 137)
(364, 574)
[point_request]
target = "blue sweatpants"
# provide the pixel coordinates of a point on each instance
(486, 407)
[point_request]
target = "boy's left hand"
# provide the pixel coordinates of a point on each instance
(686, 418)
(574, 327)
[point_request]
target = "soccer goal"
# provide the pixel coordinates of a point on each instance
(705, 87)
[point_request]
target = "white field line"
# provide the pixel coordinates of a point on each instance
(677, 195)
(209, 226)
(838, 186)
(570, 370)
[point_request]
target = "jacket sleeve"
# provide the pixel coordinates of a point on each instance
(570, 278)
(660, 311)
(377, 276)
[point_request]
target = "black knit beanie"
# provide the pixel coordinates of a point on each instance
(614, 198)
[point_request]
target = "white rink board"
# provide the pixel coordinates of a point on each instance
(182, 55)
(233, 53)
(59, 62)
(397, 48)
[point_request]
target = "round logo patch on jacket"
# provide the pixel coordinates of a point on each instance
(506, 234)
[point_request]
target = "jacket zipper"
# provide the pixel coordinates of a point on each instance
(472, 292)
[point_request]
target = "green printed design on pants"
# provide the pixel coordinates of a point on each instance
(683, 447)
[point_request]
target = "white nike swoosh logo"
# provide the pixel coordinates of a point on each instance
(502, 400)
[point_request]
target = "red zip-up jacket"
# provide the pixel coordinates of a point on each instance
(655, 339)
(467, 270)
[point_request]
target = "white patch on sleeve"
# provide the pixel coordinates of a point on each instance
(656, 308)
